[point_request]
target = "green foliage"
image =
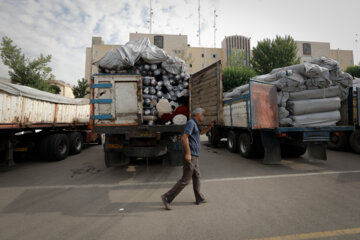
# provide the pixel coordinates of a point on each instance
(353, 70)
(81, 90)
(33, 73)
(56, 89)
(236, 76)
(237, 58)
(270, 54)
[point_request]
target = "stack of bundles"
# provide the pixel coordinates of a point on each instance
(309, 94)
(164, 79)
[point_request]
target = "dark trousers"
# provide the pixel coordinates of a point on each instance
(190, 171)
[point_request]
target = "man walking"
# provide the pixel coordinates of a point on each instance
(191, 142)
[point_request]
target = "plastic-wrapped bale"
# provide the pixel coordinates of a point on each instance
(314, 105)
(163, 106)
(315, 94)
(237, 92)
(316, 119)
(179, 119)
(111, 61)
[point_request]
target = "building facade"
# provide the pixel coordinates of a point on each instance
(236, 46)
(310, 50)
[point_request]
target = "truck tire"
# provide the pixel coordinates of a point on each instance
(246, 147)
(213, 136)
(355, 141)
(339, 143)
(116, 159)
(288, 150)
(76, 142)
(43, 147)
(58, 147)
(232, 141)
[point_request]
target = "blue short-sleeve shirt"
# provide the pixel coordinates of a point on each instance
(192, 129)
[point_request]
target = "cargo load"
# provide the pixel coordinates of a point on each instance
(309, 94)
(163, 77)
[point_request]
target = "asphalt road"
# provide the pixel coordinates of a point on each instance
(79, 198)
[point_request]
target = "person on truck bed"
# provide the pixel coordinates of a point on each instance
(191, 141)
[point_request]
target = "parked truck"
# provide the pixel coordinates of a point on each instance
(118, 112)
(344, 141)
(49, 124)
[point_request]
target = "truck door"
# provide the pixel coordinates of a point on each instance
(206, 92)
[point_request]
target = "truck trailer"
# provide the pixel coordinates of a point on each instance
(34, 120)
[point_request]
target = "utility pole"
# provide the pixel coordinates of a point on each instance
(215, 29)
(151, 16)
(199, 25)
(356, 60)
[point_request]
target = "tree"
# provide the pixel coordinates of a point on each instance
(270, 54)
(56, 89)
(353, 70)
(236, 76)
(237, 58)
(81, 90)
(25, 71)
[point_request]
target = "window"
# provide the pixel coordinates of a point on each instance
(190, 65)
(202, 55)
(306, 48)
(159, 41)
(214, 55)
(175, 51)
(202, 65)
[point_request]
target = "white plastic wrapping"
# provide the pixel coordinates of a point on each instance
(316, 119)
(314, 105)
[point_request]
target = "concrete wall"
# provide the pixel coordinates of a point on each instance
(65, 88)
(344, 57)
(318, 49)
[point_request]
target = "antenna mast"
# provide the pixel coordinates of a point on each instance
(151, 16)
(215, 29)
(356, 50)
(199, 25)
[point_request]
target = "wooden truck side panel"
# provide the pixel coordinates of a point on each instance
(206, 92)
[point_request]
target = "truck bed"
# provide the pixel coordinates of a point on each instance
(23, 107)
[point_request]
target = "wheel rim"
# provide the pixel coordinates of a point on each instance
(243, 146)
(230, 143)
(62, 147)
(77, 144)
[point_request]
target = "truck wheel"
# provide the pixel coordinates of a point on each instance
(58, 148)
(247, 149)
(101, 139)
(213, 136)
(338, 142)
(43, 147)
(117, 159)
(288, 150)
(232, 141)
(355, 141)
(76, 142)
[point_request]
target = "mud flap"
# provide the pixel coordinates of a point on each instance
(272, 150)
(317, 151)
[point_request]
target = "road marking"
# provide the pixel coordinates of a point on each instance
(134, 184)
(314, 235)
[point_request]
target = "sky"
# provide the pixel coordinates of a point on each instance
(63, 28)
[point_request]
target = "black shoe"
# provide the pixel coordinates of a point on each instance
(166, 203)
(201, 201)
